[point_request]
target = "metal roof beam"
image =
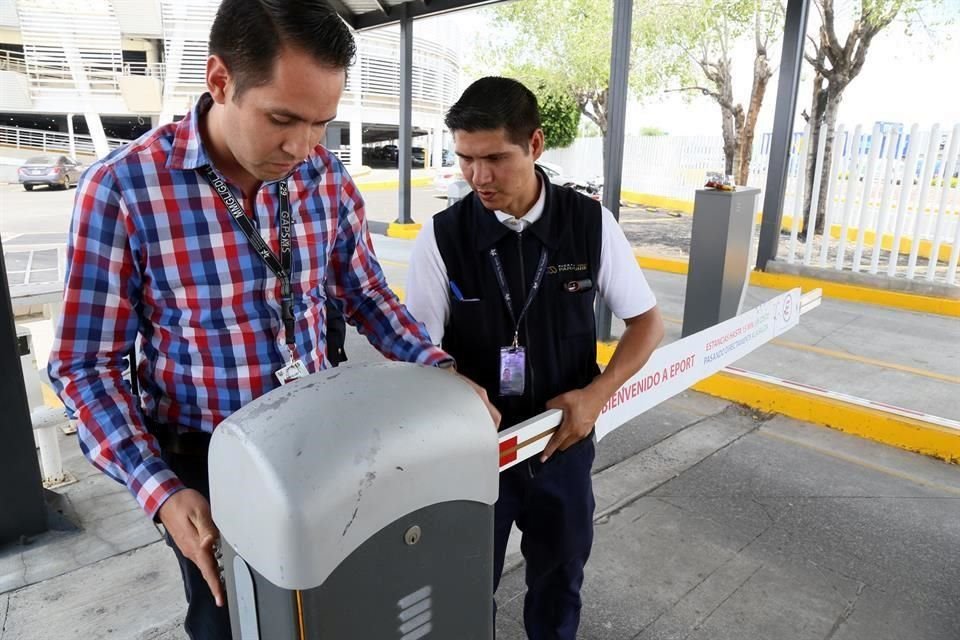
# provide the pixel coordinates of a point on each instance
(416, 9)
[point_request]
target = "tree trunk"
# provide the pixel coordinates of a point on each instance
(830, 126)
(817, 109)
(761, 75)
(729, 140)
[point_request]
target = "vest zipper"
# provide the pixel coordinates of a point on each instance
(526, 332)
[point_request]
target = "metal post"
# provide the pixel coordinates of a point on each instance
(616, 117)
(405, 142)
(21, 489)
(791, 58)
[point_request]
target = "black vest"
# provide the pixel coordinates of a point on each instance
(559, 331)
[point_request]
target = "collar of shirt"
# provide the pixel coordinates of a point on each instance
(188, 151)
(523, 223)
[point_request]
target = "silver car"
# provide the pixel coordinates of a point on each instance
(52, 171)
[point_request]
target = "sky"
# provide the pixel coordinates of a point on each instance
(905, 78)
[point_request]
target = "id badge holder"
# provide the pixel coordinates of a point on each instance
(513, 370)
(293, 370)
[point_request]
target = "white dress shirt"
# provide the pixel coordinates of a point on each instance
(620, 281)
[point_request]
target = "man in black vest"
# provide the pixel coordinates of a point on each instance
(506, 281)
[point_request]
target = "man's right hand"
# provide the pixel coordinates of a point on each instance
(186, 517)
(480, 391)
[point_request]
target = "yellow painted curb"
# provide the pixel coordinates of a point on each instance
(905, 433)
(50, 398)
(404, 231)
(605, 352)
(837, 290)
(854, 293)
(869, 239)
(659, 202)
(670, 265)
(385, 185)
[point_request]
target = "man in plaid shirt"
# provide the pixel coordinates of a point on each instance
(155, 250)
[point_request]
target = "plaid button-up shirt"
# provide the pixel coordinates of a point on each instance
(153, 250)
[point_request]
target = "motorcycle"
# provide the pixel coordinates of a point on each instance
(591, 188)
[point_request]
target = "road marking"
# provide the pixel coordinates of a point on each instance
(765, 431)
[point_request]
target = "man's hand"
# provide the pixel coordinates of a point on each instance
(581, 408)
(186, 517)
(494, 412)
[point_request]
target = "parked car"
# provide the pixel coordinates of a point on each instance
(52, 171)
(554, 172)
(418, 156)
(390, 152)
(444, 178)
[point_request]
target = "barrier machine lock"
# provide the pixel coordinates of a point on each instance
(358, 504)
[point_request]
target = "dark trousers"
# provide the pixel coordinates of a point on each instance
(204, 619)
(553, 507)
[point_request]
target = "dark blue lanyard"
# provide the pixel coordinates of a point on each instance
(281, 266)
(505, 290)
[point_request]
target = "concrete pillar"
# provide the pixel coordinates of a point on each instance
(436, 148)
(356, 142)
(72, 138)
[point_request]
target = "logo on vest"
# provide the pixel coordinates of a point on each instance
(565, 268)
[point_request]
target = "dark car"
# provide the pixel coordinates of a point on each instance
(418, 156)
(390, 152)
(52, 171)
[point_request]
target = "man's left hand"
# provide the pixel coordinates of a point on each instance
(581, 408)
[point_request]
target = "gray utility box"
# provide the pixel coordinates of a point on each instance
(719, 256)
(358, 503)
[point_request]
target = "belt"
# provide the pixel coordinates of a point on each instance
(184, 443)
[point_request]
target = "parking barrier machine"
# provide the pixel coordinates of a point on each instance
(357, 503)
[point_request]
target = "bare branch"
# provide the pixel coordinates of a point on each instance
(829, 27)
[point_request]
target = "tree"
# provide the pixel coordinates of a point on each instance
(705, 31)
(564, 45)
(560, 117)
(836, 62)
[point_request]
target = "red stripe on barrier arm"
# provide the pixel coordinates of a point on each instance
(508, 451)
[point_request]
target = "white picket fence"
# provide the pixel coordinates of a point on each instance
(903, 190)
(893, 203)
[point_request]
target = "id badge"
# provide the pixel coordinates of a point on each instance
(293, 370)
(513, 370)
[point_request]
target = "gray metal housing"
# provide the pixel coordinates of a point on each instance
(303, 476)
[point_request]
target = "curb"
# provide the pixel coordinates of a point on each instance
(836, 290)
(880, 423)
(403, 231)
(786, 223)
(877, 424)
(386, 185)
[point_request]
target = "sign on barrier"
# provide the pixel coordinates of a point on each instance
(671, 369)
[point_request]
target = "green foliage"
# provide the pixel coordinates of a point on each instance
(559, 115)
(652, 131)
(565, 45)
(588, 129)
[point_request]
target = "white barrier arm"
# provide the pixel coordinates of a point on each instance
(671, 369)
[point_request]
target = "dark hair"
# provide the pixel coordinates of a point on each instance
(496, 103)
(249, 34)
